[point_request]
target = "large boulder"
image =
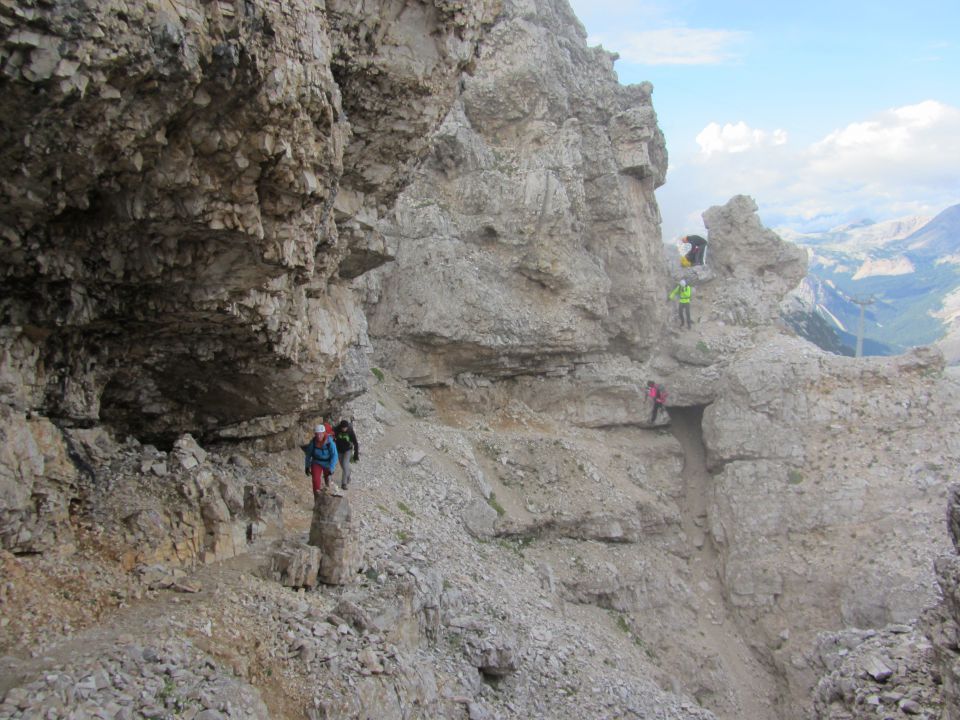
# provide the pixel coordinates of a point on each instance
(757, 268)
(332, 531)
(38, 482)
(296, 565)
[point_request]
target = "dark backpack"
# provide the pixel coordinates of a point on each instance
(342, 436)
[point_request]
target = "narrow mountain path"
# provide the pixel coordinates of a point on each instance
(752, 688)
(141, 634)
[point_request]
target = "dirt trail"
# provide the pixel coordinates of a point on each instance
(752, 686)
(137, 621)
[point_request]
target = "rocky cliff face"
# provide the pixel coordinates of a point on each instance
(528, 239)
(941, 623)
(214, 211)
(174, 193)
(172, 205)
(910, 668)
(828, 476)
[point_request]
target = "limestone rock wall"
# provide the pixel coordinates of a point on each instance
(177, 235)
(911, 667)
(941, 623)
(181, 507)
(37, 481)
(170, 244)
(827, 478)
(529, 238)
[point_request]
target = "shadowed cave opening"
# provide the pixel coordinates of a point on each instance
(686, 424)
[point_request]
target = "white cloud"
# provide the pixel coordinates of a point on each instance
(734, 138)
(674, 46)
(919, 138)
(902, 161)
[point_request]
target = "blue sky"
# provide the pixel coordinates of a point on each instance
(823, 112)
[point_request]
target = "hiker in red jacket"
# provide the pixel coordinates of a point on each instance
(659, 396)
(321, 458)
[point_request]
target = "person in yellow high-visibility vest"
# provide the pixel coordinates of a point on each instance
(682, 293)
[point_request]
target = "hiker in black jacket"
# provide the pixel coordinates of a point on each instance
(347, 448)
(698, 249)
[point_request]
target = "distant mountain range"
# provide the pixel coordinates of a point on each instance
(908, 270)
